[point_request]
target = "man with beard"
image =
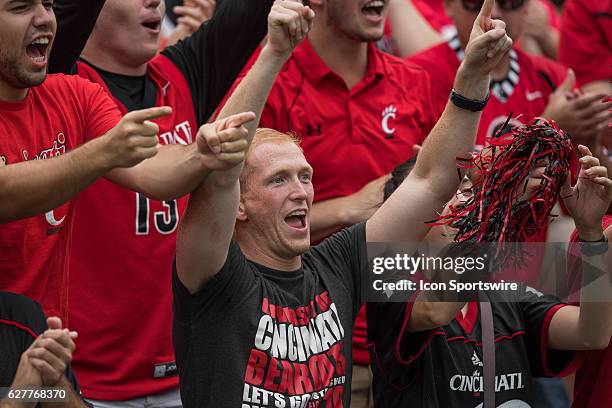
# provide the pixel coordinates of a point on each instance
(43, 122)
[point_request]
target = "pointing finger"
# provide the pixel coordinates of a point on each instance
(487, 9)
(149, 114)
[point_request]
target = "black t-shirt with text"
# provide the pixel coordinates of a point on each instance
(257, 337)
(443, 367)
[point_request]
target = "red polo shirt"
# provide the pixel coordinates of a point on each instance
(586, 39)
(351, 136)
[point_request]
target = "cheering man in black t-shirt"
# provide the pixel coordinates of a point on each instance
(266, 320)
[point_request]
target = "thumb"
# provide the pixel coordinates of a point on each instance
(569, 83)
(208, 139)
(54, 323)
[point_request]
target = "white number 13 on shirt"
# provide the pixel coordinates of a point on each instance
(165, 221)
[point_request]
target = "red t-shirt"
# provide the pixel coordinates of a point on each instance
(524, 92)
(586, 39)
(593, 383)
(351, 137)
(55, 117)
(131, 256)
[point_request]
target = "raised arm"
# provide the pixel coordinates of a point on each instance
(590, 325)
(411, 32)
(208, 224)
(212, 57)
(75, 22)
(434, 178)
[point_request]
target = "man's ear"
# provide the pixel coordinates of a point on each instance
(241, 214)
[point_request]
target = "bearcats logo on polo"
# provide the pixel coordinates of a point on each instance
(390, 112)
(297, 357)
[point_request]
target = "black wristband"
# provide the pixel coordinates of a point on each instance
(462, 102)
(593, 248)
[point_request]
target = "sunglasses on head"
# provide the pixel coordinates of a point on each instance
(506, 5)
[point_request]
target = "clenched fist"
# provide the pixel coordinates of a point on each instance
(223, 144)
(288, 24)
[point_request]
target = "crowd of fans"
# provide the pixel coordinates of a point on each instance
(188, 187)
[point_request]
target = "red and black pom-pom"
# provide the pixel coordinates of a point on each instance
(494, 213)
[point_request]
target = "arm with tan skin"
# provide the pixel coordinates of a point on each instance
(434, 178)
(33, 187)
(128, 154)
(540, 37)
(44, 364)
(588, 326)
(331, 215)
(410, 30)
(206, 228)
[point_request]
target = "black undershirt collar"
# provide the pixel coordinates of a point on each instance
(134, 92)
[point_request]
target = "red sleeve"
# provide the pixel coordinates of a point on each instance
(583, 45)
(100, 112)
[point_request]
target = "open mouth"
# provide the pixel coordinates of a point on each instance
(374, 8)
(153, 25)
(37, 49)
(296, 219)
